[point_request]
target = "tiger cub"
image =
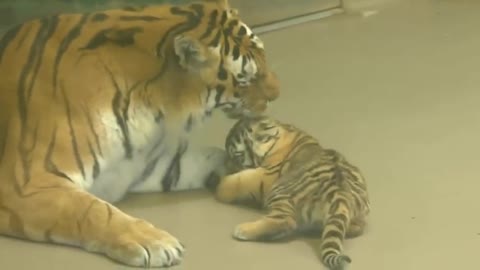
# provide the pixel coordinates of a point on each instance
(300, 184)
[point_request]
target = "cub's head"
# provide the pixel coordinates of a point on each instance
(251, 140)
(230, 59)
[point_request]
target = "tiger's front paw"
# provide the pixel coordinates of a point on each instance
(143, 245)
(246, 231)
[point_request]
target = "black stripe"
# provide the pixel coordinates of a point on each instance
(51, 25)
(222, 72)
(218, 96)
(133, 9)
(331, 245)
(236, 52)
(48, 162)
(331, 233)
(109, 213)
(69, 38)
(117, 111)
(280, 216)
(7, 38)
(157, 144)
(340, 217)
(148, 170)
(249, 151)
(338, 223)
(85, 215)
(119, 37)
(92, 129)
(226, 44)
(99, 17)
(24, 35)
(193, 20)
(319, 173)
(235, 82)
(244, 63)
(144, 18)
(305, 185)
(76, 153)
(261, 190)
(37, 48)
(211, 24)
(223, 20)
(189, 124)
(327, 254)
(159, 116)
(26, 150)
(171, 177)
(216, 40)
(229, 30)
(275, 198)
(209, 92)
(150, 167)
(96, 165)
(358, 202)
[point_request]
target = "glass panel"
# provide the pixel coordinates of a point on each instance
(257, 12)
(254, 12)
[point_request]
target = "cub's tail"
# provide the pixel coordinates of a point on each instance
(334, 233)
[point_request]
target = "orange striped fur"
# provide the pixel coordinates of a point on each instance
(302, 186)
(95, 105)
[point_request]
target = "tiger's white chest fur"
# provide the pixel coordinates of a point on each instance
(145, 155)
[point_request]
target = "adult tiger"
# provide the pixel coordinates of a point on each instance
(94, 105)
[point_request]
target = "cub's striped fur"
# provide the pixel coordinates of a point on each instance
(95, 105)
(301, 185)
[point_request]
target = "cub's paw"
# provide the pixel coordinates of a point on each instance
(264, 229)
(143, 245)
(246, 231)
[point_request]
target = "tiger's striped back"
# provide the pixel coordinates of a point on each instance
(302, 185)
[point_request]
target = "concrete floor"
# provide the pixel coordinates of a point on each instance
(398, 93)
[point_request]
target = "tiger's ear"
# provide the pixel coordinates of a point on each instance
(192, 54)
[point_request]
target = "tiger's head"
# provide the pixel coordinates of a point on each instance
(230, 59)
(251, 140)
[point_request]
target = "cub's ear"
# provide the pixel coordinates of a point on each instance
(192, 54)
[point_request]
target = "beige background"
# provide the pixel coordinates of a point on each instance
(398, 94)
(256, 12)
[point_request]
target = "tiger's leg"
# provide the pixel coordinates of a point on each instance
(356, 228)
(165, 170)
(279, 223)
(186, 169)
(52, 209)
(245, 186)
